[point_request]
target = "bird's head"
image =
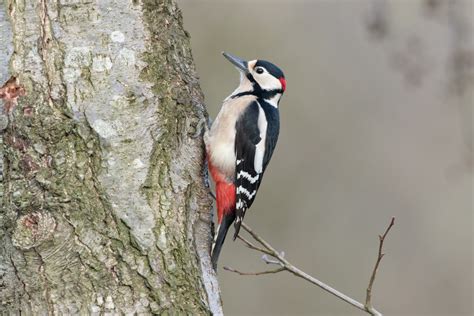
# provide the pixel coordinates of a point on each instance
(259, 77)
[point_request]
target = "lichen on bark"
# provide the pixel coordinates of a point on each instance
(103, 183)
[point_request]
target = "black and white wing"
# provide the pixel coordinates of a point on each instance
(253, 149)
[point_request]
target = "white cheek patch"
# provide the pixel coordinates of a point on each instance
(267, 81)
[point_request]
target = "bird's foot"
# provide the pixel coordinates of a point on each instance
(201, 127)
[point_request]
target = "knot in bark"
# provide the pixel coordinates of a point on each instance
(33, 229)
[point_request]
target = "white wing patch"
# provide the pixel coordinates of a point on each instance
(243, 190)
(260, 147)
(249, 173)
(248, 176)
(239, 204)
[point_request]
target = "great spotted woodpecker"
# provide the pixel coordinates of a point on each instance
(241, 141)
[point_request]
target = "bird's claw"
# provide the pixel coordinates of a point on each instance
(201, 127)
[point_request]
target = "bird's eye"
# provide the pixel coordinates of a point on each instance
(259, 70)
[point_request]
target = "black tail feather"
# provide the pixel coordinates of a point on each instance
(220, 237)
(237, 225)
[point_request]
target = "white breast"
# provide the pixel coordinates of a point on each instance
(221, 137)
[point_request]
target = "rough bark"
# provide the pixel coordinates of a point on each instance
(103, 187)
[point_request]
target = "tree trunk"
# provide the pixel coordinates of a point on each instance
(104, 208)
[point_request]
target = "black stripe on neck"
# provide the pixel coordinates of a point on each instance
(263, 94)
(251, 79)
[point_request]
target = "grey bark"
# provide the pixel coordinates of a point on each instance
(103, 187)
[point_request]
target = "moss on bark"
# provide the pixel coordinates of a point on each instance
(103, 185)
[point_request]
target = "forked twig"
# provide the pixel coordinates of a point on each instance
(368, 298)
(252, 246)
(267, 249)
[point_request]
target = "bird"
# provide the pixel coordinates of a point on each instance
(240, 142)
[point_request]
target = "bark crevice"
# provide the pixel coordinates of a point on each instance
(101, 144)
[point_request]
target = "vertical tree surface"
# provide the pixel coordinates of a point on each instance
(102, 191)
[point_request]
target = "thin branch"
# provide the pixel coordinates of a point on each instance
(254, 273)
(252, 246)
(287, 266)
(273, 251)
(368, 298)
(270, 261)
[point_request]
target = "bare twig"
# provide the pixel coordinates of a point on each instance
(368, 298)
(252, 246)
(254, 273)
(268, 250)
(270, 261)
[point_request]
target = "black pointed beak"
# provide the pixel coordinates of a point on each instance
(239, 63)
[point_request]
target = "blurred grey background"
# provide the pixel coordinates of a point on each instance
(376, 122)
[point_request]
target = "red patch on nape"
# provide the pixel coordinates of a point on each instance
(283, 83)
